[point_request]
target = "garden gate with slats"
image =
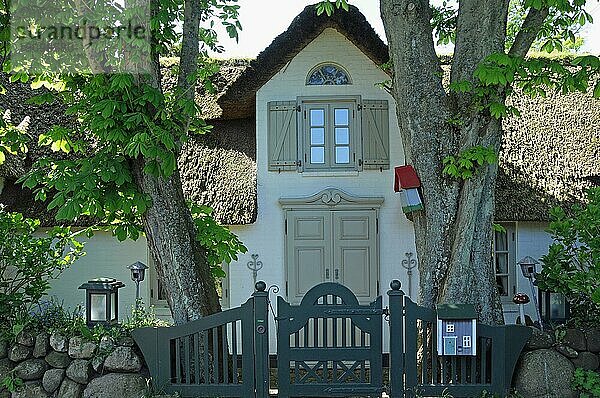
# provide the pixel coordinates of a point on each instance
(329, 345)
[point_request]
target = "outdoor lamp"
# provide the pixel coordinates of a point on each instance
(102, 301)
(554, 307)
(528, 268)
(138, 272)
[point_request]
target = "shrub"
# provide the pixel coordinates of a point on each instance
(572, 265)
(587, 382)
(29, 262)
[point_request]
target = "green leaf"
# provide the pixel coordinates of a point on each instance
(597, 90)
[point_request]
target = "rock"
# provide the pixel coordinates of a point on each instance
(97, 364)
(80, 370)
(6, 366)
(34, 390)
(544, 373)
(586, 360)
(539, 339)
(70, 389)
(123, 359)
(19, 353)
(59, 342)
(52, 379)
(107, 344)
(26, 338)
(58, 359)
(42, 345)
(575, 339)
(126, 342)
(566, 351)
(3, 349)
(116, 385)
(592, 337)
(81, 349)
(31, 369)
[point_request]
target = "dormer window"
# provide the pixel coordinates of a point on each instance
(328, 75)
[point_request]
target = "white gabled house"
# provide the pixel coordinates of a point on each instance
(301, 164)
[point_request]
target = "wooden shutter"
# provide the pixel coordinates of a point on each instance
(282, 136)
(375, 134)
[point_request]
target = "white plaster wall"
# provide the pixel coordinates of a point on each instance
(105, 257)
(532, 240)
(266, 236)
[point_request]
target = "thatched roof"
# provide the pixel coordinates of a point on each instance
(549, 155)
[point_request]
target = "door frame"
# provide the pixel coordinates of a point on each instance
(331, 199)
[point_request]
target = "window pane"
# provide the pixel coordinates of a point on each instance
(341, 117)
(317, 136)
(342, 136)
(502, 263)
(502, 282)
(317, 117)
(317, 155)
(98, 307)
(501, 241)
(342, 155)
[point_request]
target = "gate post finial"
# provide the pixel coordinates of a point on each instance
(260, 286)
(395, 284)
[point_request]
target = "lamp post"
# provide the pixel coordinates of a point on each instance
(138, 273)
(528, 268)
(102, 301)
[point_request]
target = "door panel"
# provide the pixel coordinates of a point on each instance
(332, 246)
(355, 251)
(308, 251)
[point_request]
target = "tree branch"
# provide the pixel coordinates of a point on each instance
(528, 32)
(188, 59)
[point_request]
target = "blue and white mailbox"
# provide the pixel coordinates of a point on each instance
(456, 329)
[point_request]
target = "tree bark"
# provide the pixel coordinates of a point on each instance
(454, 231)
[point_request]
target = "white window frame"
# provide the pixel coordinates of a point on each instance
(449, 328)
(510, 252)
(328, 103)
(466, 341)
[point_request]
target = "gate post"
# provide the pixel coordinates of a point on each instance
(261, 340)
(396, 313)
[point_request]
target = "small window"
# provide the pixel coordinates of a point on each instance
(328, 75)
(504, 262)
(450, 328)
(467, 341)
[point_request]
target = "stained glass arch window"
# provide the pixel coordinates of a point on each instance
(328, 74)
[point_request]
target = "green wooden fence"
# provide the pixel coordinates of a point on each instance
(329, 345)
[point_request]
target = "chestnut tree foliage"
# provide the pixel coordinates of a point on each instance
(452, 134)
(121, 168)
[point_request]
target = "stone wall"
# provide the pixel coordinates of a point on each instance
(59, 367)
(546, 366)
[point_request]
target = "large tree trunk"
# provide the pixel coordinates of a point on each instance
(453, 232)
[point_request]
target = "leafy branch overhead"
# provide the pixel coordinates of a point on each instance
(467, 163)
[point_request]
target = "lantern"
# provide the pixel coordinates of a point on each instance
(554, 307)
(138, 272)
(407, 182)
(102, 301)
(528, 268)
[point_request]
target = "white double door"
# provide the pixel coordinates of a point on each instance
(332, 246)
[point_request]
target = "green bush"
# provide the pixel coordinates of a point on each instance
(587, 382)
(28, 262)
(572, 265)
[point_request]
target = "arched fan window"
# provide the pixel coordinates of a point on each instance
(328, 74)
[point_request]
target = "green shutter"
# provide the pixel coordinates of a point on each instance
(282, 138)
(375, 134)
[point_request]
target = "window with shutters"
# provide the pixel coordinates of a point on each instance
(504, 261)
(328, 134)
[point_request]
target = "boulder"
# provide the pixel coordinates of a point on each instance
(112, 385)
(6, 366)
(575, 339)
(26, 338)
(31, 369)
(539, 339)
(80, 370)
(567, 351)
(586, 360)
(544, 373)
(97, 364)
(123, 359)
(81, 349)
(70, 389)
(19, 353)
(58, 359)
(34, 390)
(59, 343)
(3, 349)
(107, 344)
(126, 342)
(592, 337)
(42, 345)
(52, 379)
